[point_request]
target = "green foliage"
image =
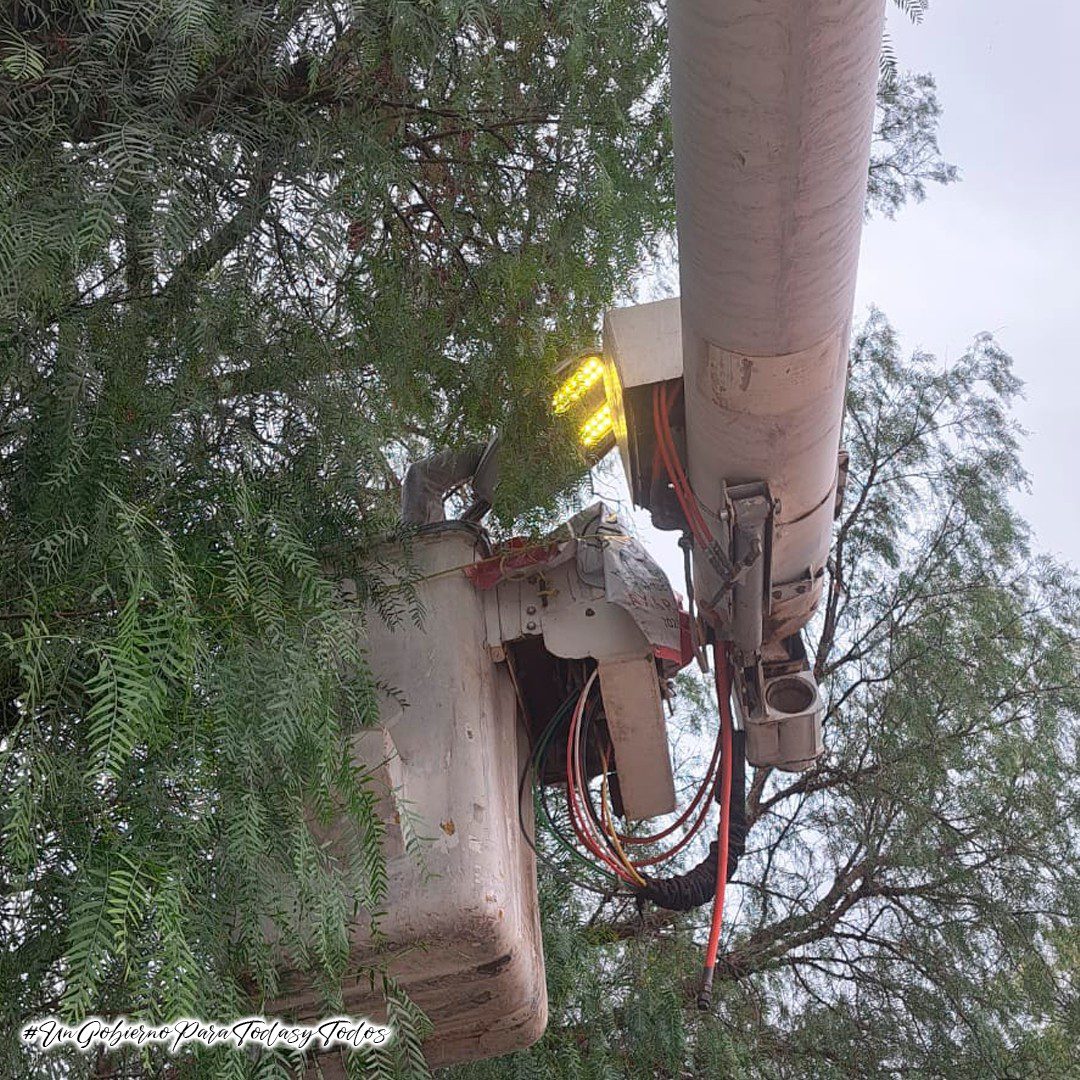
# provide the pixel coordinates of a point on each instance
(904, 153)
(252, 256)
(915, 10)
(388, 221)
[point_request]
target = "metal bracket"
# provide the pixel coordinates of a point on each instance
(780, 706)
(751, 514)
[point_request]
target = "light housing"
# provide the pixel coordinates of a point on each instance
(581, 395)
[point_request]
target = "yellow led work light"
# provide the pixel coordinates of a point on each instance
(582, 395)
(597, 427)
(588, 373)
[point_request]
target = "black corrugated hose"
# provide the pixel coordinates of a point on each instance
(698, 886)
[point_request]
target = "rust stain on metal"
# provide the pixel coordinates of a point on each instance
(495, 966)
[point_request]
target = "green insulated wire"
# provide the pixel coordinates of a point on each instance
(540, 798)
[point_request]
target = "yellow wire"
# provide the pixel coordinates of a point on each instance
(609, 825)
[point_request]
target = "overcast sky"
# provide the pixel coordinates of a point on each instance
(999, 250)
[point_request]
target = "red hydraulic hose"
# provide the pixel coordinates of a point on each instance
(722, 664)
(706, 788)
(670, 457)
(578, 818)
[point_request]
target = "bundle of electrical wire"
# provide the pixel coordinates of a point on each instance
(602, 856)
(601, 850)
(595, 880)
(595, 830)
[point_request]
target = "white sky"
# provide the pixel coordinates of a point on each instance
(998, 250)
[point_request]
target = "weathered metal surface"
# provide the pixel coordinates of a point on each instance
(772, 105)
(635, 721)
(462, 930)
